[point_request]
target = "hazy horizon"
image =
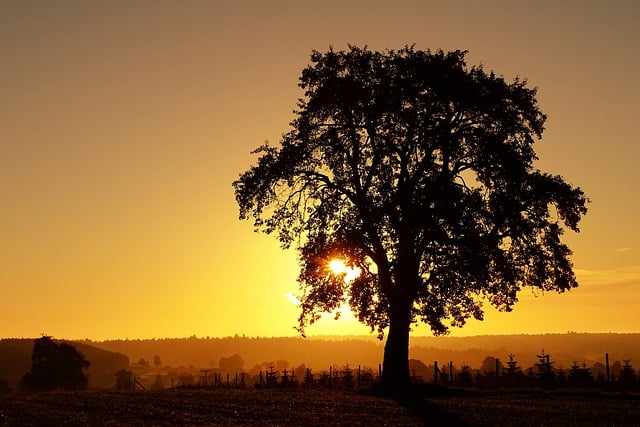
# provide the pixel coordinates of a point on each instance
(310, 337)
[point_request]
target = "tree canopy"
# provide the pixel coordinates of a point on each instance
(56, 366)
(418, 170)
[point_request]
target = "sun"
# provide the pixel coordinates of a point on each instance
(339, 268)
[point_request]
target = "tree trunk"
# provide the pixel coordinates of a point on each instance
(395, 365)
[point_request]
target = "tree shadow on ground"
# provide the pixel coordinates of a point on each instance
(416, 401)
(428, 412)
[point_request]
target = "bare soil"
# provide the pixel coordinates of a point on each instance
(315, 408)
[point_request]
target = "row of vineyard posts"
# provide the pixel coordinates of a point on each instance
(619, 377)
(346, 378)
(493, 374)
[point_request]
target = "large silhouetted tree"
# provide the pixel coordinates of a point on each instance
(419, 170)
(56, 366)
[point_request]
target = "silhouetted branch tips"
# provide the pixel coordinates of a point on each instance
(418, 170)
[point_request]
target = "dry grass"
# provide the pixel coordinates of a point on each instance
(312, 408)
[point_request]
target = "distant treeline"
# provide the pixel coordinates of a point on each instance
(322, 352)
(208, 352)
(475, 360)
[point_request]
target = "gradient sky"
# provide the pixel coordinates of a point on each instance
(124, 123)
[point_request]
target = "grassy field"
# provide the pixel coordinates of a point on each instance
(315, 408)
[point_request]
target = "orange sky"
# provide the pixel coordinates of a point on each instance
(123, 124)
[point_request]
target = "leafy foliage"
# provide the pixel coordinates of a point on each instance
(56, 366)
(419, 171)
(231, 364)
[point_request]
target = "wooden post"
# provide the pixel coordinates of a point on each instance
(206, 376)
(436, 371)
(451, 372)
(606, 359)
(330, 376)
(497, 372)
(135, 381)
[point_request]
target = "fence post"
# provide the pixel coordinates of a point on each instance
(436, 371)
(330, 376)
(606, 358)
(451, 372)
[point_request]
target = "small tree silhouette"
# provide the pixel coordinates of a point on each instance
(545, 369)
(465, 378)
(579, 375)
(56, 366)
(124, 380)
(513, 375)
(347, 377)
(272, 377)
(627, 375)
(325, 378)
(308, 378)
(512, 365)
(288, 379)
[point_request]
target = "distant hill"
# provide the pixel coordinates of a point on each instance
(15, 361)
(321, 352)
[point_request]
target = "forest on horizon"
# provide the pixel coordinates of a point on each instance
(170, 358)
(321, 352)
